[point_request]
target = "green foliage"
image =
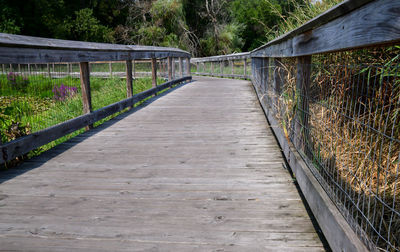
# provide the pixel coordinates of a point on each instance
(85, 27)
(203, 27)
(257, 16)
(8, 19)
(301, 12)
(225, 41)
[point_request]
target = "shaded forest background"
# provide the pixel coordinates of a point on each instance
(203, 27)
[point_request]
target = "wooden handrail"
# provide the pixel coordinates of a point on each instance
(25, 49)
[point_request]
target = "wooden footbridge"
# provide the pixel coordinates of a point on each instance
(196, 169)
(205, 163)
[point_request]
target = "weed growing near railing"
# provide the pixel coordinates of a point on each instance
(44, 102)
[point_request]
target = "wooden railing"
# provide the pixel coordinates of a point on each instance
(226, 66)
(16, 50)
(330, 89)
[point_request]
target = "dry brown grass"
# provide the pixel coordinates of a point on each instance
(353, 138)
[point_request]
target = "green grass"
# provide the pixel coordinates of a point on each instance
(238, 68)
(31, 103)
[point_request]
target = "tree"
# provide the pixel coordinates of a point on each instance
(84, 27)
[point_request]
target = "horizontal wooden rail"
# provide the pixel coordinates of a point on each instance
(221, 60)
(25, 49)
(30, 142)
(349, 25)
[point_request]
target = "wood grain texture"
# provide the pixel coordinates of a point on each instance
(85, 89)
(195, 170)
(129, 79)
(32, 141)
(374, 23)
(336, 229)
(221, 57)
(26, 49)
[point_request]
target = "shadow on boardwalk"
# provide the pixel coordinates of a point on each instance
(195, 170)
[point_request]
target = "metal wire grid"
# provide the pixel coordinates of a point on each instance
(349, 132)
(36, 96)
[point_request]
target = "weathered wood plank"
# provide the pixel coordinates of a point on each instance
(374, 23)
(26, 49)
(129, 79)
(195, 170)
(85, 88)
(30, 142)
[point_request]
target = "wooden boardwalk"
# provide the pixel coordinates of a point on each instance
(198, 169)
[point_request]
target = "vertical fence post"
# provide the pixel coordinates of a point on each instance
(188, 71)
(3, 68)
(53, 67)
(180, 67)
(154, 72)
(197, 67)
(11, 68)
(212, 68)
(265, 75)
(278, 79)
(169, 68)
(245, 67)
(19, 68)
(129, 80)
(303, 78)
(110, 69)
(173, 68)
(48, 70)
(221, 68)
(29, 68)
(232, 66)
(85, 87)
(133, 69)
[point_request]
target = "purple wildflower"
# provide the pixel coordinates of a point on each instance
(63, 92)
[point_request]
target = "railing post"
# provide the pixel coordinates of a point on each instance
(85, 88)
(48, 70)
(173, 68)
(221, 68)
(129, 79)
(188, 72)
(197, 67)
(245, 68)
(180, 67)
(169, 68)
(11, 68)
(265, 75)
(212, 68)
(29, 68)
(19, 68)
(3, 68)
(110, 69)
(303, 78)
(154, 72)
(232, 66)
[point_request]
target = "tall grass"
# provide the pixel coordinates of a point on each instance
(302, 13)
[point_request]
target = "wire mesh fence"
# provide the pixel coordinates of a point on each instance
(239, 68)
(34, 97)
(345, 124)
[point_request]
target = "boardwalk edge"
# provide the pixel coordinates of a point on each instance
(335, 228)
